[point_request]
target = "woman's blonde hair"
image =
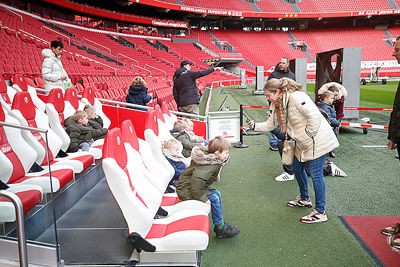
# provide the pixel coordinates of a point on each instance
(139, 80)
(283, 84)
(218, 144)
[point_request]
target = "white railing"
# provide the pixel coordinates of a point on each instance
(142, 68)
(137, 62)
(156, 69)
(34, 36)
(53, 30)
(173, 65)
(109, 50)
(22, 19)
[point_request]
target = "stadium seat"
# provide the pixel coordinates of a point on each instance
(182, 231)
(20, 85)
(55, 111)
(19, 157)
(163, 127)
(28, 115)
(151, 136)
(88, 98)
(170, 118)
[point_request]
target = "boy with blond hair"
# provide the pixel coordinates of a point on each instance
(180, 134)
(96, 122)
(195, 182)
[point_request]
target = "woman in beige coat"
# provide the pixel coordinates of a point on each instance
(295, 113)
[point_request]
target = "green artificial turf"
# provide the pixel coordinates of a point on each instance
(271, 234)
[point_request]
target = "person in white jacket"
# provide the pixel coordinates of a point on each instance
(295, 113)
(53, 71)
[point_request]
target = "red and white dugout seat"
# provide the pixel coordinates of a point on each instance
(182, 231)
(26, 112)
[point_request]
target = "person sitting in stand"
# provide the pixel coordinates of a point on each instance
(172, 150)
(94, 121)
(182, 136)
(81, 134)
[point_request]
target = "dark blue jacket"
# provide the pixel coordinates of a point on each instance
(185, 89)
(330, 110)
(137, 94)
(179, 167)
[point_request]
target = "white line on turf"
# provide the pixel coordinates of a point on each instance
(374, 146)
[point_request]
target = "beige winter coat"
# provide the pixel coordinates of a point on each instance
(313, 134)
(52, 70)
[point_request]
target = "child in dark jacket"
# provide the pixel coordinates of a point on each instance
(172, 150)
(179, 133)
(195, 182)
(326, 103)
(80, 133)
(96, 122)
(137, 93)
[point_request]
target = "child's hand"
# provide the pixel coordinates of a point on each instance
(208, 202)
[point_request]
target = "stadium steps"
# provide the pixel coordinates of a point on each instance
(255, 7)
(295, 7)
(305, 50)
(58, 28)
(390, 36)
(393, 4)
(229, 47)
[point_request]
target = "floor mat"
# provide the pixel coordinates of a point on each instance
(367, 231)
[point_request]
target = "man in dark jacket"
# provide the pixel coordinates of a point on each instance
(394, 123)
(185, 90)
(281, 70)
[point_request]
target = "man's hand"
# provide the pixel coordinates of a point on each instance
(63, 77)
(251, 124)
(391, 145)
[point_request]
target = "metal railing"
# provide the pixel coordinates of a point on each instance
(19, 211)
(53, 30)
(33, 36)
(137, 62)
(22, 19)
(97, 44)
(142, 68)
(165, 73)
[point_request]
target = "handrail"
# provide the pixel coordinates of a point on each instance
(137, 62)
(173, 65)
(97, 44)
(34, 36)
(79, 42)
(1, 25)
(145, 50)
(19, 211)
(69, 40)
(22, 19)
(142, 68)
(156, 69)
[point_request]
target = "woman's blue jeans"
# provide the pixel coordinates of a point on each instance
(216, 207)
(316, 167)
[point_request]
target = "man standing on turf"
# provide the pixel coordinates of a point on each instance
(394, 123)
(281, 70)
(185, 90)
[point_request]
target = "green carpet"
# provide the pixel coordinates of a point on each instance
(271, 234)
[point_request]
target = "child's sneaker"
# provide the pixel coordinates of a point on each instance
(314, 217)
(336, 171)
(391, 230)
(298, 202)
(395, 241)
(227, 232)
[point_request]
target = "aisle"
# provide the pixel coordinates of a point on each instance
(93, 230)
